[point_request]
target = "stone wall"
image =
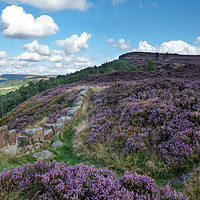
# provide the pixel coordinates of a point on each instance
(32, 139)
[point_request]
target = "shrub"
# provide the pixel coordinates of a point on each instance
(53, 180)
(155, 116)
(150, 66)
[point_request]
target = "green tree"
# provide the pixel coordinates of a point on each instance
(157, 55)
(166, 55)
(150, 66)
(133, 68)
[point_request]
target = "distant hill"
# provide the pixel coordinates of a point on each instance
(8, 77)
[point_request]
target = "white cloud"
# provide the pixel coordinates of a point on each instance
(177, 46)
(151, 4)
(18, 24)
(31, 57)
(197, 41)
(115, 2)
(144, 46)
(110, 41)
(74, 44)
(82, 62)
(41, 60)
(122, 44)
(54, 5)
(2, 54)
(35, 47)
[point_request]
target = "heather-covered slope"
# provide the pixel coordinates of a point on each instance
(157, 118)
(47, 106)
(143, 122)
(164, 60)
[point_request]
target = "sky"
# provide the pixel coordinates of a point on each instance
(52, 37)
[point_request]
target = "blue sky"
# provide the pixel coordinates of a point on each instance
(62, 36)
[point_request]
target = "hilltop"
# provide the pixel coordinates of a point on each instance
(161, 60)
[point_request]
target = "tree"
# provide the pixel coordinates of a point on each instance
(133, 68)
(166, 56)
(157, 55)
(150, 66)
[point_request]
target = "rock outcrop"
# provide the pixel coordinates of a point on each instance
(30, 139)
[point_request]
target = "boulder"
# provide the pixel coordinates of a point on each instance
(50, 126)
(23, 141)
(11, 150)
(79, 101)
(56, 144)
(83, 93)
(64, 119)
(36, 134)
(3, 136)
(45, 154)
(48, 134)
(74, 111)
(60, 127)
(12, 135)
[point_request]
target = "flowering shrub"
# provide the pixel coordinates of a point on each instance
(53, 180)
(52, 103)
(158, 115)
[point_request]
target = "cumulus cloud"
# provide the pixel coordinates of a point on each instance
(177, 46)
(41, 60)
(18, 24)
(115, 2)
(197, 42)
(82, 62)
(122, 44)
(35, 47)
(2, 54)
(145, 46)
(54, 5)
(110, 41)
(74, 44)
(31, 57)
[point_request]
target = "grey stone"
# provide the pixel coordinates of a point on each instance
(11, 150)
(74, 111)
(83, 93)
(23, 141)
(44, 154)
(36, 134)
(3, 136)
(79, 100)
(12, 135)
(60, 127)
(50, 126)
(56, 144)
(48, 134)
(64, 119)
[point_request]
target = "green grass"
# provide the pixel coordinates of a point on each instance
(7, 161)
